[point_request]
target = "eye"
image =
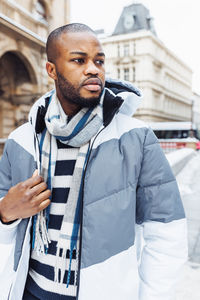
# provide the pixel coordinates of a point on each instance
(100, 62)
(79, 60)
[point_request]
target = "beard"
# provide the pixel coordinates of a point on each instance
(72, 94)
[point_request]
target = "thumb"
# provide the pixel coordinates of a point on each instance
(35, 173)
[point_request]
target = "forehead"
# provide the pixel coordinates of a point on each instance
(78, 41)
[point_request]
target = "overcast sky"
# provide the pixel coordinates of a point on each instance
(177, 23)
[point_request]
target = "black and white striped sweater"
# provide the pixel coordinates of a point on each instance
(40, 281)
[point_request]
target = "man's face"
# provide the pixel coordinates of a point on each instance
(80, 68)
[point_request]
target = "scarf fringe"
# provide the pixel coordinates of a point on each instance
(42, 240)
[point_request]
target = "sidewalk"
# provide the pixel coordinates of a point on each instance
(189, 184)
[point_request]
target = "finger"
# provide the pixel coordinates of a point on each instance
(44, 205)
(35, 173)
(31, 182)
(41, 197)
(37, 189)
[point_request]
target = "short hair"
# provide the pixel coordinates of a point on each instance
(51, 49)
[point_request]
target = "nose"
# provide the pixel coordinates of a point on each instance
(91, 68)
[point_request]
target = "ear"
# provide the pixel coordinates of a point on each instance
(51, 70)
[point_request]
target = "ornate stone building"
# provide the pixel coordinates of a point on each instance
(135, 53)
(24, 26)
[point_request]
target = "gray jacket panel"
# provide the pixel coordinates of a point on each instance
(128, 180)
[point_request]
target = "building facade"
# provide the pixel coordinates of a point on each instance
(24, 27)
(135, 53)
(196, 109)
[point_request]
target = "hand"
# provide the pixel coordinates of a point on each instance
(25, 199)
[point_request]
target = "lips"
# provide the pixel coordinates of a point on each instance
(93, 84)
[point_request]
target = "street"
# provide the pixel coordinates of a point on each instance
(189, 184)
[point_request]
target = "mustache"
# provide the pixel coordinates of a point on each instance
(92, 80)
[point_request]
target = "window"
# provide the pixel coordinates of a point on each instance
(134, 48)
(40, 9)
(118, 50)
(133, 78)
(126, 74)
(126, 50)
(118, 73)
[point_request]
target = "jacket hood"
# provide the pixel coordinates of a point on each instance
(124, 96)
(131, 95)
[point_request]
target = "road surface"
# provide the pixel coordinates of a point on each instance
(189, 184)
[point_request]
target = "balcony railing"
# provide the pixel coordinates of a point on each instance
(169, 145)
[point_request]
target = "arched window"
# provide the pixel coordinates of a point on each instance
(41, 10)
(17, 90)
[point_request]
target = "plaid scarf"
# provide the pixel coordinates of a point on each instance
(77, 133)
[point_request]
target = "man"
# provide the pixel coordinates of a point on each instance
(108, 183)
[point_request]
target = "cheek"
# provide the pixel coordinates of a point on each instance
(102, 76)
(73, 78)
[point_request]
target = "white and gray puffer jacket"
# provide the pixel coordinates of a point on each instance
(133, 229)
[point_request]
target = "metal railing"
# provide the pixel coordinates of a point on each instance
(170, 145)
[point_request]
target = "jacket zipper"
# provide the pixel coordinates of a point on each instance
(81, 219)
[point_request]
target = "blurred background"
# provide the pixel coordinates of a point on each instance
(152, 43)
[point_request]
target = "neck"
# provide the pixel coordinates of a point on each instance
(69, 108)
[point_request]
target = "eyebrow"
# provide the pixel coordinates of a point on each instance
(101, 54)
(85, 54)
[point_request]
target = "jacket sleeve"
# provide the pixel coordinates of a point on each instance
(7, 233)
(5, 185)
(160, 213)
